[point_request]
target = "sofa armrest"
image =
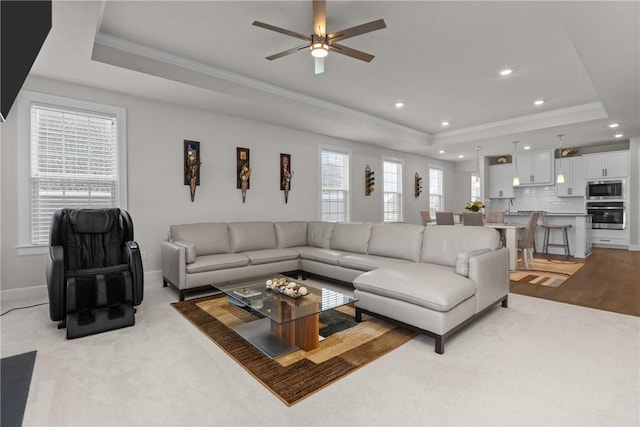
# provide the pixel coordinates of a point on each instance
(174, 264)
(190, 250)
(490, 272)
(462, 260)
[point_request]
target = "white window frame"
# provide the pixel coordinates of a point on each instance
(398, 193)
(476, 190)
(432, 210)
(25, 101)
(348, 192)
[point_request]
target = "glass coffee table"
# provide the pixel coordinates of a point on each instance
(285, 324)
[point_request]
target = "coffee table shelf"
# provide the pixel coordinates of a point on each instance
(286, 324)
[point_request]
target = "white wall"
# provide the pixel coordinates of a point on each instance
(634, 191)
(158, 198)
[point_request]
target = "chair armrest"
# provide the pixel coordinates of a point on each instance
(56, 285)
(134, 259)
(490, 272)
(174, 264)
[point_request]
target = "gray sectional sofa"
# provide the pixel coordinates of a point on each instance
(434, 279)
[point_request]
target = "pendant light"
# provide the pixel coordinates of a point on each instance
(516, 178)
(560, 177)
(477, 180)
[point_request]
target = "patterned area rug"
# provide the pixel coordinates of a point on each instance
(347, 346)
(545, 272)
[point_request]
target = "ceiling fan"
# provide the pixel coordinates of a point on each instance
(320, 43)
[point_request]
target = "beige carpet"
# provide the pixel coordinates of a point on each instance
(545, 272)
(299, 374)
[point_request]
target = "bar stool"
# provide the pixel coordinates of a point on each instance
(565, 237)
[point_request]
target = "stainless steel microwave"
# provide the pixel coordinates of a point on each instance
(603, 190)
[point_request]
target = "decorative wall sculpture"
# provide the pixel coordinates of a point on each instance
(369, 181)
(191, 166)
(243, 171)
(285, 175)
(418, 185)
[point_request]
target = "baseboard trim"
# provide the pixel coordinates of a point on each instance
(634, 247)
(40, 291)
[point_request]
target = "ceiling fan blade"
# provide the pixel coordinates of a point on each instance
(281, 30)
(319, 65)
(357, 30)
(286, 52)
(319, 17)
(357, 54)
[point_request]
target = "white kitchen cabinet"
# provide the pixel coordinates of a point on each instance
(616, 238)
(501, 181)
(614, 164)
(535, 168)
(573, 170)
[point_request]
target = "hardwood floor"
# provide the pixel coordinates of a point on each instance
(609, 280)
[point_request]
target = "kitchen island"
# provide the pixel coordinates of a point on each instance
(579, 233)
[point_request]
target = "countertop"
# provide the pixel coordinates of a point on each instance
(549, 214)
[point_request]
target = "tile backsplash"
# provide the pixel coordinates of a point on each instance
(538, 199)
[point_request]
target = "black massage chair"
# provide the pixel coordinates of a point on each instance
(94, 273)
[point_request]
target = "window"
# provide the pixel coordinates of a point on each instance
(76, 159)
(475, 187)
(392, 197)
(334, 169)
(436, 197)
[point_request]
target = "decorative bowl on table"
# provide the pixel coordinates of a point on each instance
(283, 286)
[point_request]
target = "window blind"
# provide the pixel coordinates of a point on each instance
(335, 186)
(435, 191)
(392, 197)
(74, 163)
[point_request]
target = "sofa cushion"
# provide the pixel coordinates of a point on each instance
(420, 284)
(292, 233)
(441, 244)
(351, 237)
(217, 262)
(328, 256)
(396, 241)
(266, 256)
(208, 238)
(319, 234)
(251, 236)
(367, 262)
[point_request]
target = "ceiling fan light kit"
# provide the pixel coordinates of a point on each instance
(320, 43)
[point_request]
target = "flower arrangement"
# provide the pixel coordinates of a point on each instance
(474, 206)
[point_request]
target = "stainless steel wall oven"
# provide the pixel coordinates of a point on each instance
(607, 215)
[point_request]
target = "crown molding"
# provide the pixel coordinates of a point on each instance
(127, 46)
(560, 116)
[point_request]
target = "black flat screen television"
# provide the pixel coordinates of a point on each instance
(24, 26)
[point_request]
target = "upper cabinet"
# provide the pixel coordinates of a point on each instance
(535, 168)
(573, 170)
(614, 164)
(501, 181)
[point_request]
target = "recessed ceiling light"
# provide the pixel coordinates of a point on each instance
(399, 104)
(461, 156)
(538, 102)
(445, 123)
(618, 135)
(614, 125)
(441, 151)
(527, 147)
(506, 71)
